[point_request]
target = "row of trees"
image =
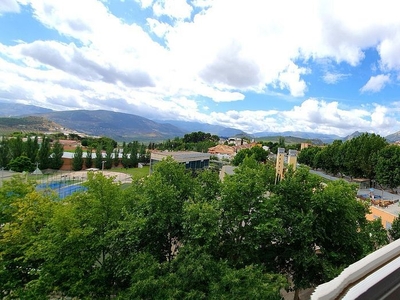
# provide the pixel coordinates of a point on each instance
(19, 155)
(132, 154)
(175, 235)
(366, 156)
(196, 141)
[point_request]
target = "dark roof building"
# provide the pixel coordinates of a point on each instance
(192, 160)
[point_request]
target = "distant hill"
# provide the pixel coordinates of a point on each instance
(324, 138)
(15, 109)
(289, 139)
(128, 127)
(29, 124)
(219, 130)
(118, 126)
(394, 137)
(352, 136)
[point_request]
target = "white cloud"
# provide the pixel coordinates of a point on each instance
(375, 83)
(218, 50)
(175, 9)
(333, 78)
(9, 6)
(145, 3)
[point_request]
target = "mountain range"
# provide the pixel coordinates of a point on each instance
(128, 127)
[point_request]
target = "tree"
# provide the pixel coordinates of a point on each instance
(394, 231)
(82, 254)
(32, 148)
(98, 161)
(116, 157)
(361, 154)
(125, 156)
(307, 156)
(26, 212)
(258, 153)
(4, 153)
(21, 164)
(375, 236)
(16, 147)
(164, 194)
(56, 160)
(133, 157)
(387, 170)
(316, 228)
(77, 160)
(89, 158)
(108, 160)
(242, 199)
(44, 154)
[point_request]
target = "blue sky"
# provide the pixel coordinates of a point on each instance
(320, 66)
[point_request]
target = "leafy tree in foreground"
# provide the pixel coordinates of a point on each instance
(81, 257)
(24, 215)
(164, 194)
(305, 215)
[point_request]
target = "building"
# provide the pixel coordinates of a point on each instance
(281, 159)
(292, 158)
(192, 160)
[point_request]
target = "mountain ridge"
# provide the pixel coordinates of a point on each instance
(127, 127)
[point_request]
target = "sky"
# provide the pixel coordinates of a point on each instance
(318, 66)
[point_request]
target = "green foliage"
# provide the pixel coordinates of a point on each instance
(181, 235)
(89, 158)
(357, 157)
(21, 164)
(199, 136)
(77, 160)
(98, 161)
(16, 147)
(195, 141)
(25, 215)
(375, 236)
(387, 170)
(258, 153)
(307, 214)
(56, 160)
(44, 154)
(32, 148)
(4, 153)
(394, 232)
(307, 156)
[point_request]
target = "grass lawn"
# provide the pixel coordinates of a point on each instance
(134, 172)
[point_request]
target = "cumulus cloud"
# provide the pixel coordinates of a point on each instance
(219, 50)
(375, 83)
(72, 60)
(333, 78)
(175, 9)
(9, 6)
